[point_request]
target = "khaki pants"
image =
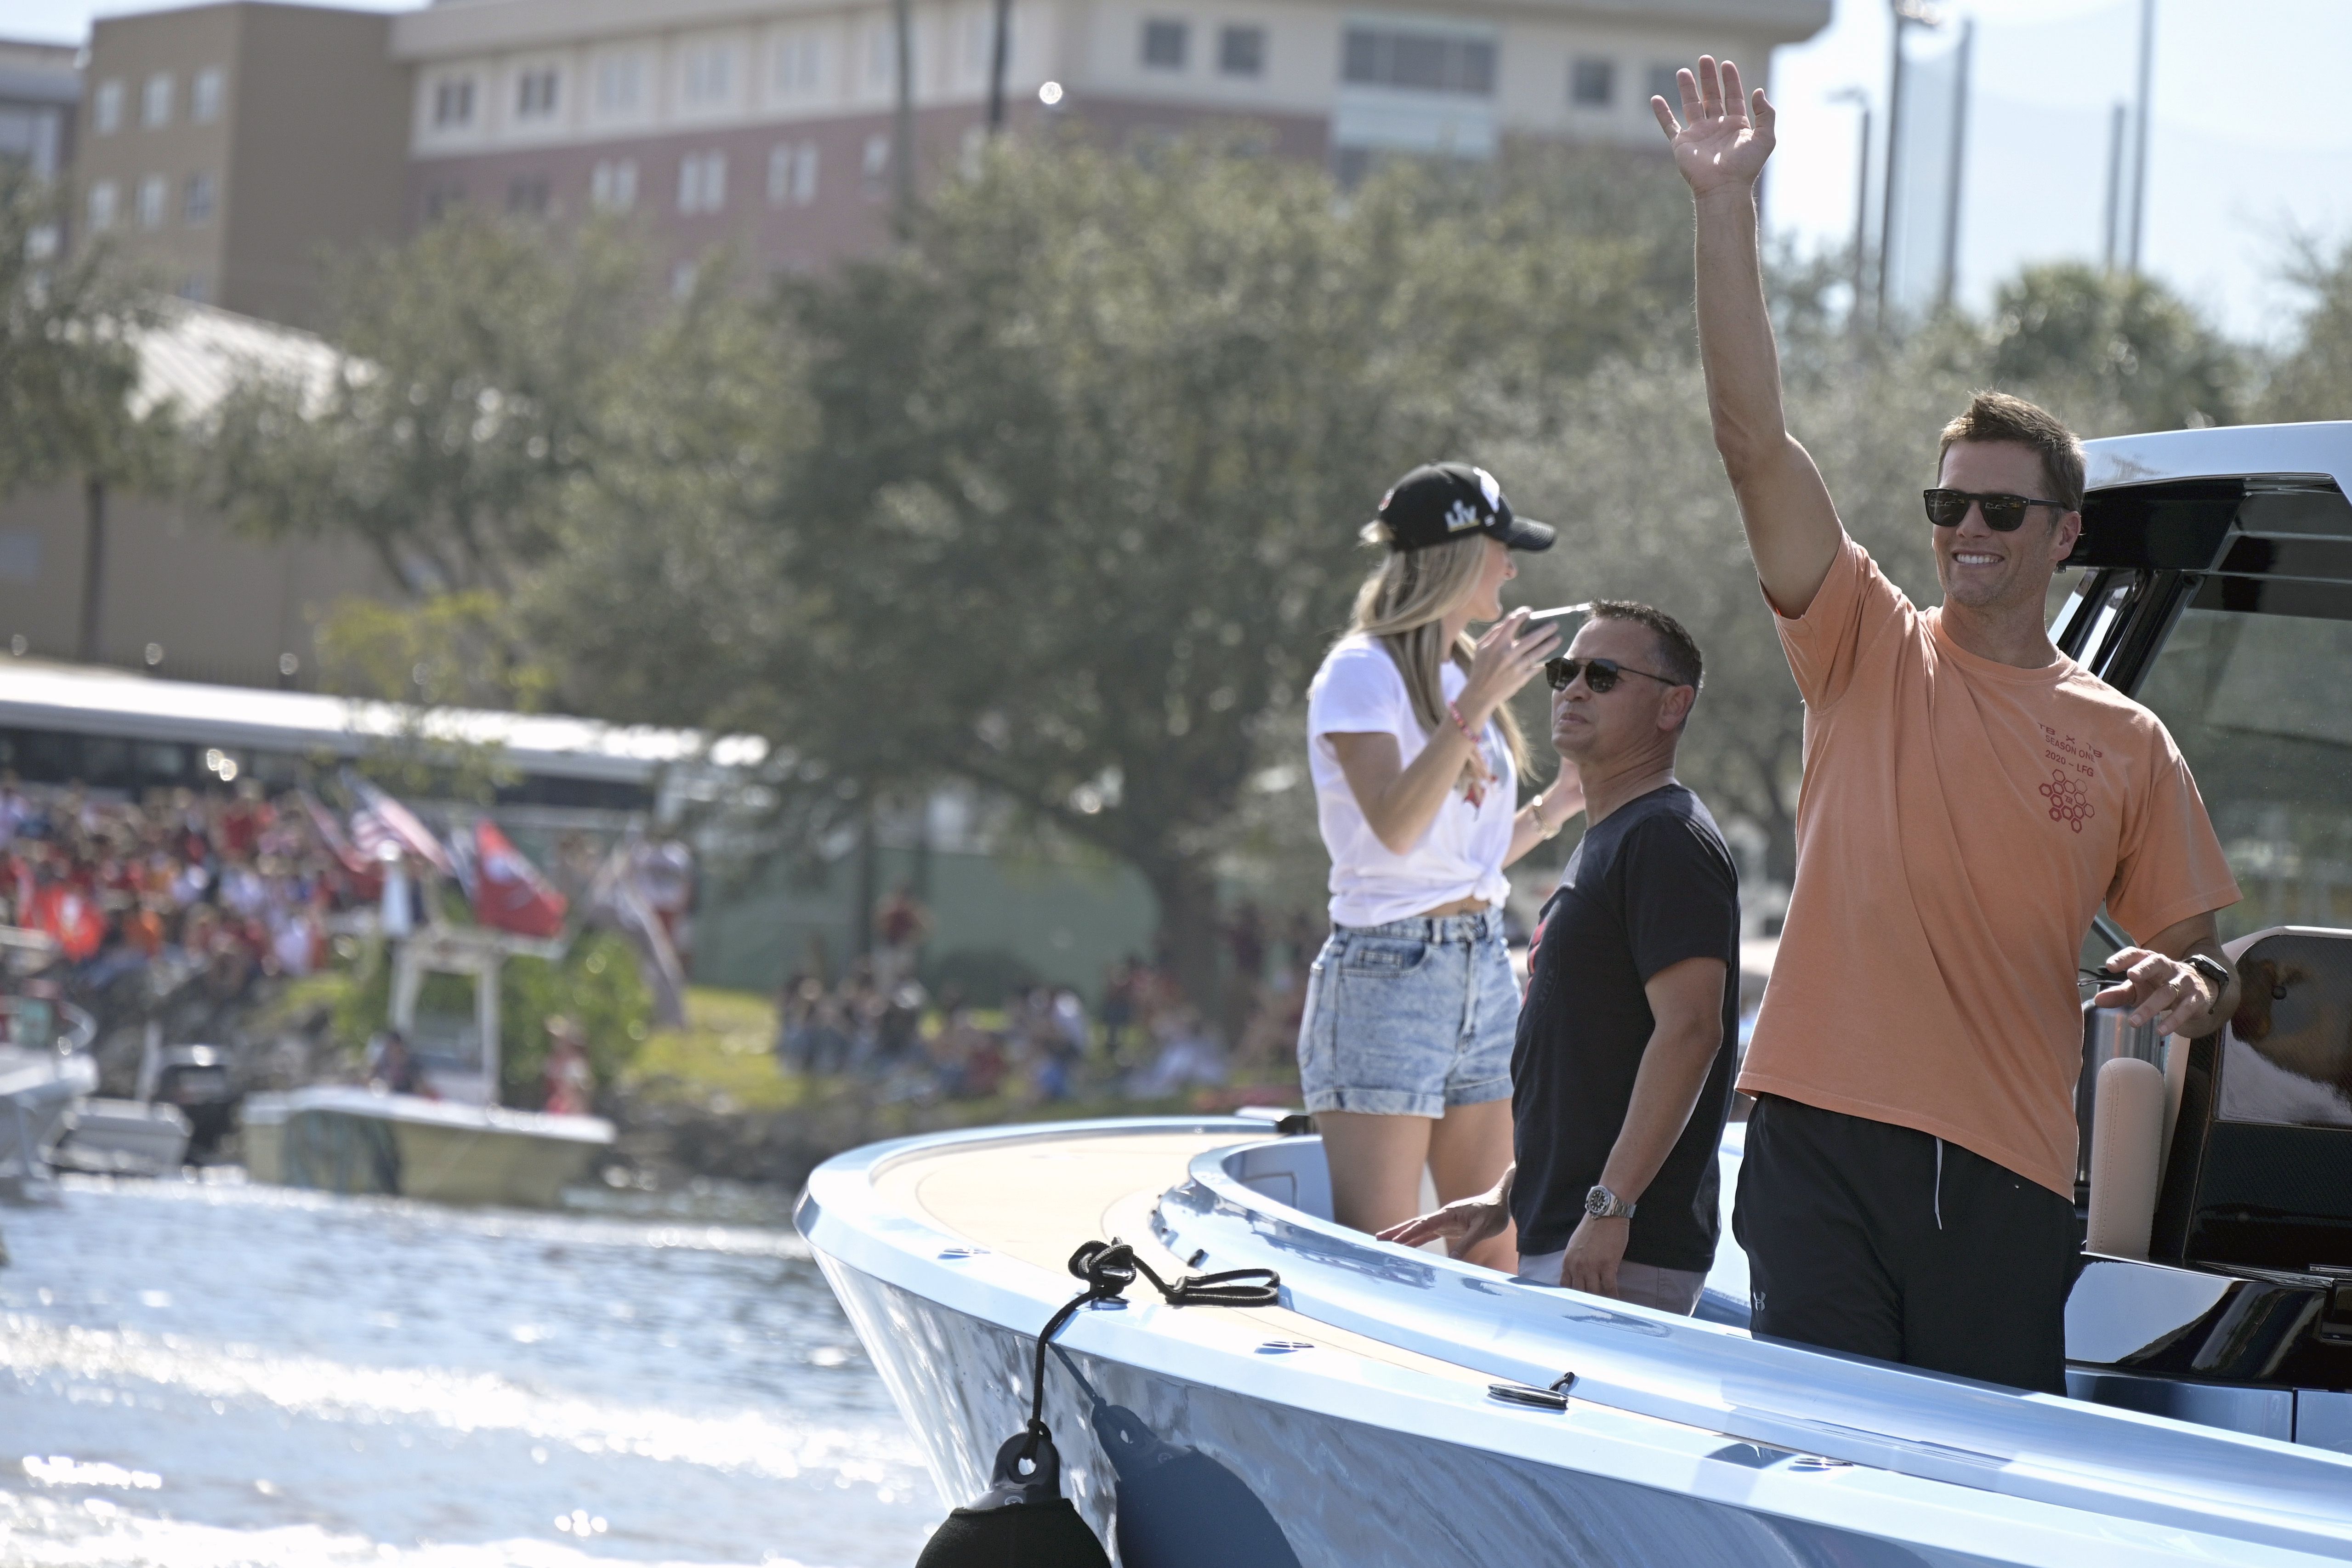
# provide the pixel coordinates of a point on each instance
(1644, 1285)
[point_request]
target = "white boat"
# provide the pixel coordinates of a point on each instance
(1398, 1407)
(45, 1070)
(343, 1138)
(457, 1146)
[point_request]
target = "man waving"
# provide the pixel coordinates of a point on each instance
(1971, 797)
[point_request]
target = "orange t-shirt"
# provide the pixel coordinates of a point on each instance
(1959, 823)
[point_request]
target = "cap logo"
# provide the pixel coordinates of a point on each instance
(1460, 515)
(1493, 492)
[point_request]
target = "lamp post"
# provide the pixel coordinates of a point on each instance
(1906, 14)
(999, 58)
(2139, 136)
(1861, 101)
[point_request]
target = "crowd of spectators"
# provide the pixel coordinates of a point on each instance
(222, 886)
(1146, 1041)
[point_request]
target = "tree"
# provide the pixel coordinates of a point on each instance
(2312, 380)
(2122, 339)
(484, 360)
(1070, 505)
(69, 370)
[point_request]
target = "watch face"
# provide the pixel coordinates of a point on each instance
(1596, 1202)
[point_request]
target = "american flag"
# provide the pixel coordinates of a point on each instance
(381, 820)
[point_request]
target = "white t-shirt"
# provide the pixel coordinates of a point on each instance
(1359, 690)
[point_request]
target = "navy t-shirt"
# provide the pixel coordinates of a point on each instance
(1652, 884)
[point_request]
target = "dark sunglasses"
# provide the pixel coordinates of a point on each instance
(2002, 514)
(1600, 674)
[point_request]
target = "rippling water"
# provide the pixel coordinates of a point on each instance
(195, 1376)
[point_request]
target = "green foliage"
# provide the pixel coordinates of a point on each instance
(2122, 338)
(485, 358)
(67, 366)
(450, 649)
(596, 984)
(2312, 380)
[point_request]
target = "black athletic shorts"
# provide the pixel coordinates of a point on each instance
(1881, 1241)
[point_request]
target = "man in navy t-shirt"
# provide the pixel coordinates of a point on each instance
(1622, 1076)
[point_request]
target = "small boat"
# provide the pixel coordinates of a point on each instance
(1397, 1407)
(45, 1070)
(457, 1145)
(343, 1138)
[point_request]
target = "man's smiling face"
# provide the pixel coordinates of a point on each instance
(1982, 570)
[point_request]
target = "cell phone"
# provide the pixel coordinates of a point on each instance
(1556, 618)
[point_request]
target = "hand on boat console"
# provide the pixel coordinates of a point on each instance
(1462, 1224)
(2161, 983)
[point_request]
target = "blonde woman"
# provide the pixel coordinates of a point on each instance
(1405, 1049)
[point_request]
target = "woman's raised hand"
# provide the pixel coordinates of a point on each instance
(1502, 663)
(1723, 136)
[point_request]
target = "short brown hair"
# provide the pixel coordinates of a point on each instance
(1997, 417)
(1678, 650)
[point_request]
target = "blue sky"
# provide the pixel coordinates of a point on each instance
(2249, 143)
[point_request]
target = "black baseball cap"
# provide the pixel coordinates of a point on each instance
(1438, 502)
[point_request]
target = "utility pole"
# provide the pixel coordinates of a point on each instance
(1906, 14)
(93, 641)
(2117, 126)
(1860, 99)
(1947, 277)
(2140, 150)
(902, 138)
(997, 62)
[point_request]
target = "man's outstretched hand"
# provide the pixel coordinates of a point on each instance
(1461, 1225)
(1723, 136)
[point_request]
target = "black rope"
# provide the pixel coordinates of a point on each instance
(1108, 1267)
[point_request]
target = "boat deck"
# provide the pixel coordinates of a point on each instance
(1038, 1201)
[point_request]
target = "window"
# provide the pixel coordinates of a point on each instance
(103, 196)
(204, 98)
(1241, 51)
(792, 174)
(527, 193)
(453, 101)
(702, 182)
(196, 199)
(613, 187)
(881, 53)
(620, 84)
(800, 63)
(156, 101)
(535, 94)
(1593, 83)
(106, 108)
(153, 192)
(709, 77)
(1419, 62)
(1164, 45)
(1663, 85)
(878, 166)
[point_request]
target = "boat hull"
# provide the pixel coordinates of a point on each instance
(1252, 1483)
(1359, 1422)
(399, 1145)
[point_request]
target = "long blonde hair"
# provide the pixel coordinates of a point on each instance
(1405, 606)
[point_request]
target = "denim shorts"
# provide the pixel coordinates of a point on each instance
(1407, 1019)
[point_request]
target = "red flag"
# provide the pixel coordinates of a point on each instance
(508, 892)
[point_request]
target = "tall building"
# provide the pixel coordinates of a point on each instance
(229, 148)
(771, 121)
(38, 90)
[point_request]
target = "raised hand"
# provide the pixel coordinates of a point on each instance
(1723, 137)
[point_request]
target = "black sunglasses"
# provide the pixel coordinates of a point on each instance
(1600, 674)
(2002, 514)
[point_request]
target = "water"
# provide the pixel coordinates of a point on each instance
(200, 1374)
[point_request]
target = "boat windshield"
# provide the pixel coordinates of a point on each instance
(2262, 707)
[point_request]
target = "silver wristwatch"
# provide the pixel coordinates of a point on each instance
(1602, 1204)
